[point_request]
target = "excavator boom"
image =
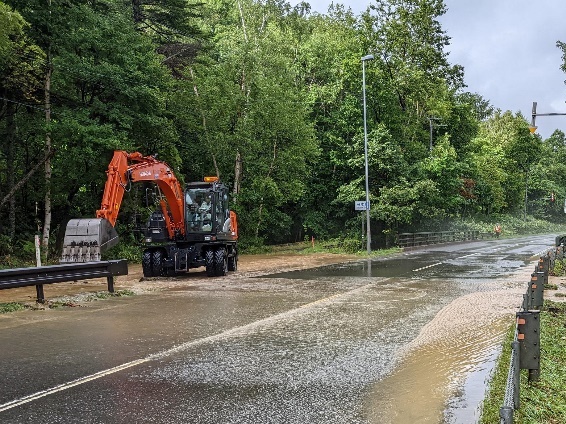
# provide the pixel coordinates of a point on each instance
(86, 238)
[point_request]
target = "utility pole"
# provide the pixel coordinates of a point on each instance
(368, 234)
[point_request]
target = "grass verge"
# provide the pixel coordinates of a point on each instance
(11, 307)
(66, 301)
(542, 401)
(336, 246)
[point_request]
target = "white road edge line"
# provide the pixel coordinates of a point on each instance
(29, 398)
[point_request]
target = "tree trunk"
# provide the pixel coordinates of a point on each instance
(237, 175)
(10, 141)
(213, 156)
(48, 148)
(243, 21)
(137, 11)
(271, 167)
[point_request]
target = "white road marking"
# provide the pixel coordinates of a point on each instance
(427, 267)
(233, 331)
(467, 256)
(65, 386)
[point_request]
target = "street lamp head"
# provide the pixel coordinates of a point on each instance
(368, 57)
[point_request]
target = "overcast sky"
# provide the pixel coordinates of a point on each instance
(508, 51)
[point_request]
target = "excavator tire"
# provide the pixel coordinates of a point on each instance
(209, 262)
(146, 264)
(233, 262)
(157, 263)
(220, 262)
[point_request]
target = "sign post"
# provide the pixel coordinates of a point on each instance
(361, 205)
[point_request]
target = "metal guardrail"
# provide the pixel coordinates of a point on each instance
(428, 238)
(525, 347)
(38, 276)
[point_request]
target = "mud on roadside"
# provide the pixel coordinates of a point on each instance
(248, 266)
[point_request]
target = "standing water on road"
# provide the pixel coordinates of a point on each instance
(441, 375)
(407, 339)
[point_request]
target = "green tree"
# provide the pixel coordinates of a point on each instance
(248, 117)
(21, 64)
(107, 91)
(502, 156)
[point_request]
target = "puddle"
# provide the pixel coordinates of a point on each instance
(465, 407)
(387, 267)
(439, 382)
(425, 265)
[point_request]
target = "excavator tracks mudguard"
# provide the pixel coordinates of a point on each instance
(86, 239)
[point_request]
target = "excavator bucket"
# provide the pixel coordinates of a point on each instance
(86, 239)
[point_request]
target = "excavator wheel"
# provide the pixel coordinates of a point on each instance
(209, 262)
(146, 264)
(157, 263)
(233, 262)
(220, 262)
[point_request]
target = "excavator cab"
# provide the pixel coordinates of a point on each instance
(206, 208)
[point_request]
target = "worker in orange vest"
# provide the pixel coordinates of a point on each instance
(497, 230)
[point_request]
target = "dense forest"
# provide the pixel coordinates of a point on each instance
(268, 97)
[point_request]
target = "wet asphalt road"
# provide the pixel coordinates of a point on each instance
(299, 347)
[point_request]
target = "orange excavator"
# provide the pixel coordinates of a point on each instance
(192, 227)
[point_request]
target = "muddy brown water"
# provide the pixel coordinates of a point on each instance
(442, 375)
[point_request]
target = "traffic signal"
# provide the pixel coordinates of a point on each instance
(552, 198)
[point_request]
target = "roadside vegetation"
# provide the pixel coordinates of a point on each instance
(66, 301)
(542, 401)
(11, 307)
(265, 95)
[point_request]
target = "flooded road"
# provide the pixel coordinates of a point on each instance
(406, 339)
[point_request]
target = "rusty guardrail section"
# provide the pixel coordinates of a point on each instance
(38, 276)
(427, 238)
(525, 347)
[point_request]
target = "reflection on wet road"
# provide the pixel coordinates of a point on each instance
(317, 346)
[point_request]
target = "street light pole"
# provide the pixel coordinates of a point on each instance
(368, 230)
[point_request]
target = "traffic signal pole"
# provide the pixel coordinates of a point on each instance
(533, 127)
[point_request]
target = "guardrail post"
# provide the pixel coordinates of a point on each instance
(40, 294)
(110, 279)
(516, 352)
(528, 335)
(506, 414)
(536, 290)
(543, 263)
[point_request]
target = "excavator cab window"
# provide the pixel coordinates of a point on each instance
(200, 207)
(223, 212)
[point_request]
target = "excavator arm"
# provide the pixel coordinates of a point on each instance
(86, 239)
(133, 167)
